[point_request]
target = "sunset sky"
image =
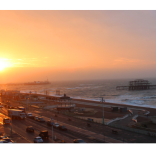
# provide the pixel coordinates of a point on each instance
(76, 45)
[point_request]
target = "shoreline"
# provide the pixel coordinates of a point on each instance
(98, 102)
(152, 110)
(109, 103)
(113, 103)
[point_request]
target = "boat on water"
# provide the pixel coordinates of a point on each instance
(37, 83)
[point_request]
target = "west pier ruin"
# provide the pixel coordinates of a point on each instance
(138, 84)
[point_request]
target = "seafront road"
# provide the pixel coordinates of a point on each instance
(98, 131)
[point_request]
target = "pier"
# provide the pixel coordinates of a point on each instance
(138, 84)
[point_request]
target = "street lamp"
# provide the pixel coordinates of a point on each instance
(27, 103)
(103, 110)
(29, 98)
(52, 128)
(11, 124)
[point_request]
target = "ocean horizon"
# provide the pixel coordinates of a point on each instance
(94, 90)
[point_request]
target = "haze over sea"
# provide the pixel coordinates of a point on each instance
(94, 90)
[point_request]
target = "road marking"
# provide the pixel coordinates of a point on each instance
(21, 136)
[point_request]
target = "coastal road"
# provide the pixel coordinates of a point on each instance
(123, 135)
(19, 127)
(104, 130)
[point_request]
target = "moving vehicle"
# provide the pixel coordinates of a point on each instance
(78, 141)
(29, 114)
(62, 128)
(21, 108)
(1, 137)
(3, 141)
(8, 140)
(56, 125)
(38, 139)
(50, 122)
(44, 134)
(29, 129)
(40, 119)
(36, 117)
(6, 121)
(16, 114)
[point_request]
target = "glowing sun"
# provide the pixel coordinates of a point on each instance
(3, 64)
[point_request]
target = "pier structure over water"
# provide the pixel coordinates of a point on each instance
(138, 84)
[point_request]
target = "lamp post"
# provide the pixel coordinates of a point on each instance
(27, 104)
(103, 110)
(11, 124)
(52, 129)
(30, 99)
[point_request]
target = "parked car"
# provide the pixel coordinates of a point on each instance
(44, 134)
(36, 117)
(56, 125)
(50, 122)
(38, 139)
(3, 141)
(8, 140)
(78, 141)
(62, 127)
(29, 129)
(40, 119)
(6, 121)
(1, 106)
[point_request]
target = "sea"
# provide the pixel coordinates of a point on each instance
(94, 90)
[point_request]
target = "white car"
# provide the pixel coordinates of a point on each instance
(36, 118)
(38, 139)
(3, 141)
(56, 125)
(29, 114)
(8, 140)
